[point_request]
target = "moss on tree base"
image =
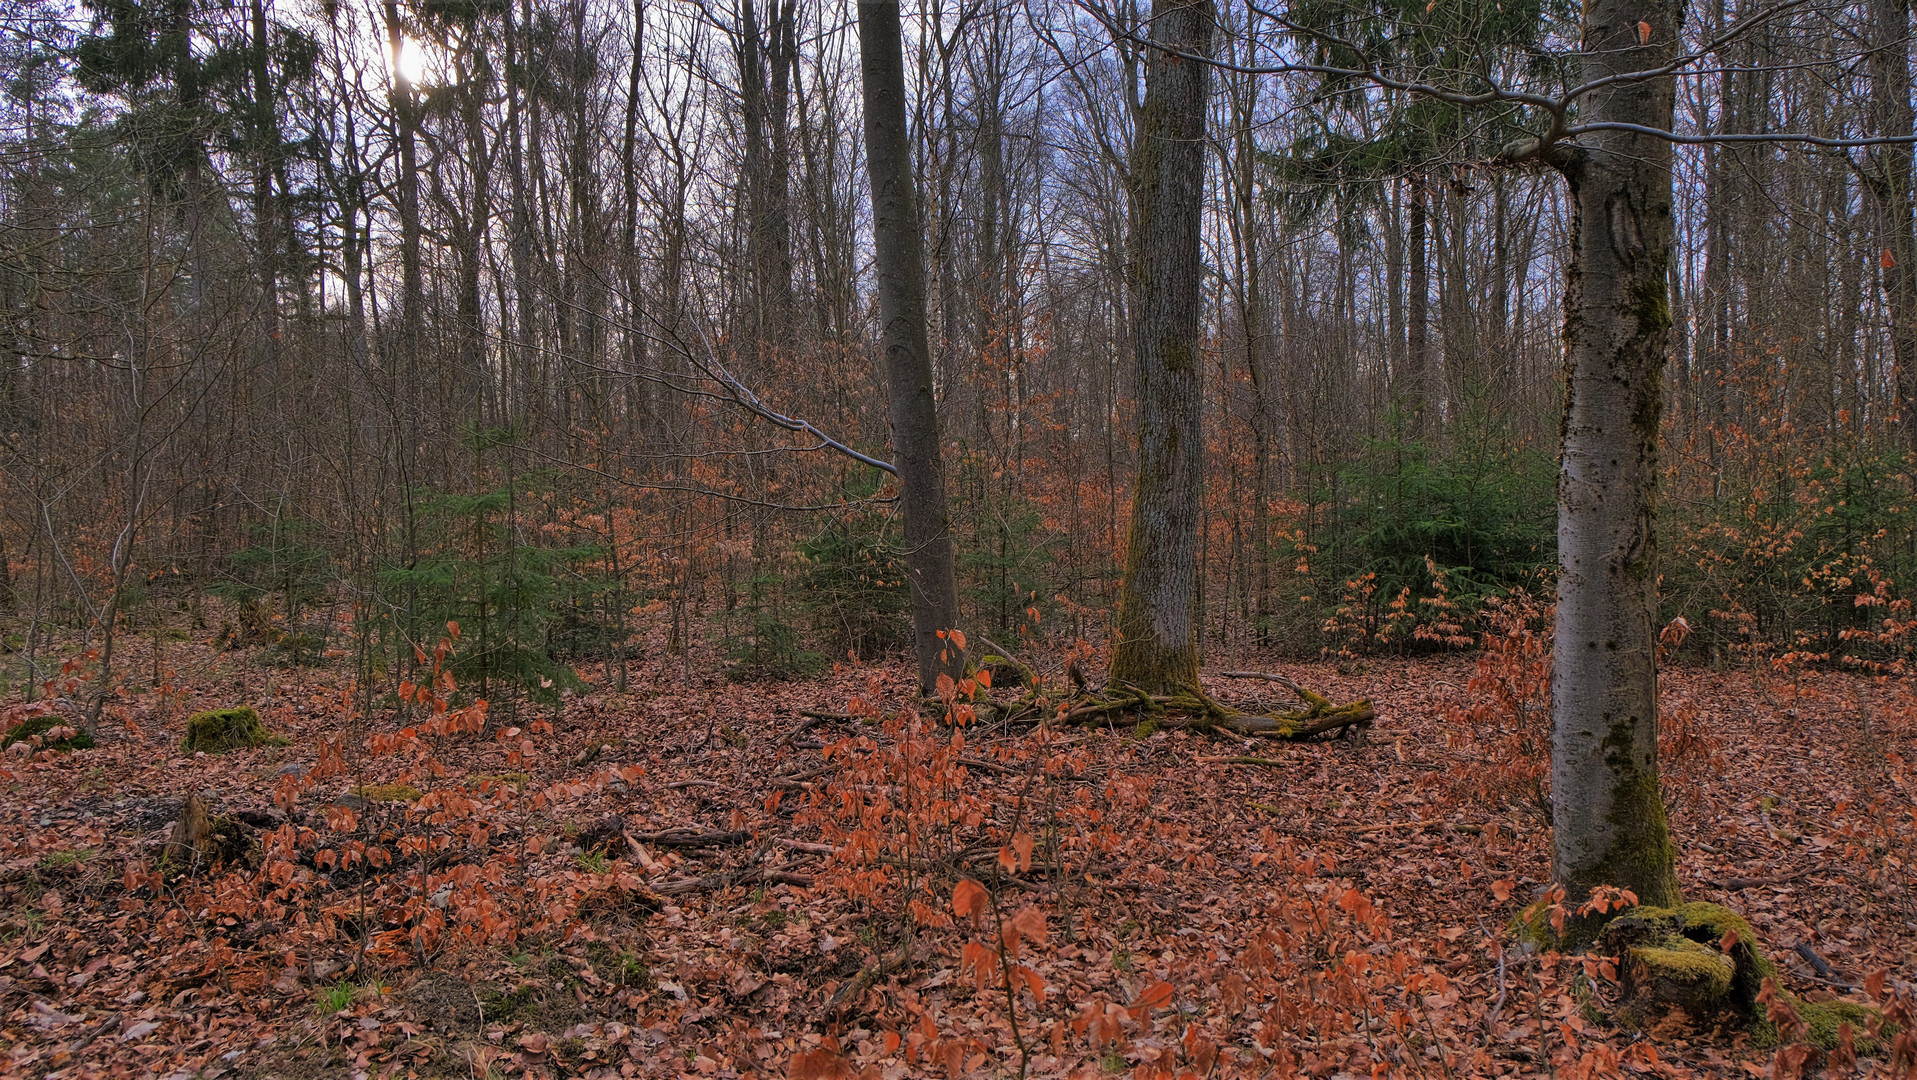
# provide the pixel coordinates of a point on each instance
(219, 730)
(1705, 960)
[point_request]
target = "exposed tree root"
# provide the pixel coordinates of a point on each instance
(1190, 708)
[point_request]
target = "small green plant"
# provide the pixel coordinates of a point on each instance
(336, 997)
(477, 567)
(1122, 961)
(594, 862)
(65, 858)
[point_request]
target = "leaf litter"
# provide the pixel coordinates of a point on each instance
(809, 879)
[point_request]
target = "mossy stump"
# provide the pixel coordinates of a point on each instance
(1700, 957)
(33, 727)
(219, 730)
(1704, 959)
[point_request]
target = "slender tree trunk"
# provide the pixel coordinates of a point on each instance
(266, 214)
(412, 290)
(1607, 813)
(1890, 180)
(899, 259)
(1419, 403)
(1157, 629)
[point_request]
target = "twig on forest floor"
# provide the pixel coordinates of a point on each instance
(870, 976)
(1453, 826)
(1825, 974)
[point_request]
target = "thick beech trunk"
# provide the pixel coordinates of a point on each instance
(1157, 628)
(1607, 813)
(900, 262)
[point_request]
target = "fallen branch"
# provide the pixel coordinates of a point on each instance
(1267, 677)
(686, 838)
(987, 766)
(728, 878)
(809, 849)
(1361, 830)
(870, 976)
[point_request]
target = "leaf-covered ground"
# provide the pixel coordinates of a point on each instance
(706, 881)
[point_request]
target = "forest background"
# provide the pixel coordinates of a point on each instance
(493, 332)
(489, 379)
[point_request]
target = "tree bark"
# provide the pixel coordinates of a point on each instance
(1888, 175)
(412, 289)
(1420, 403)
(1607, 813)
(899, 260)
(1157, 632)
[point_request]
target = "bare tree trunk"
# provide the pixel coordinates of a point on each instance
(1888, 175)
(1419, 403)
(1607, 813)
(266, 214)
(412, 290)
(1157, 631)
(899, 259)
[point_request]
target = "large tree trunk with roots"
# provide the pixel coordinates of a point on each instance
(1607, 814)
(1157, 629)
(900, 262)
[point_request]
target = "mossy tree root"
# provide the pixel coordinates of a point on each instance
(1190, 708)
(1706, 960)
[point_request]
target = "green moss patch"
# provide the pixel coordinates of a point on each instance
(219, 730)
(1824, 1018)
(1703, 957)
(37, 726)
(1682, 971)
(1677, 956)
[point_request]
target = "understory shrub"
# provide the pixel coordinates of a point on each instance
(853, 589)
(1414, 539)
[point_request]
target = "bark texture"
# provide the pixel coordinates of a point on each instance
(1889, 177)
(900, 264)
(1157, 637)
(1607, 814)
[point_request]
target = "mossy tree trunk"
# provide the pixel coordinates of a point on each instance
(898, 254)
(1157, 629)
(1607, 814)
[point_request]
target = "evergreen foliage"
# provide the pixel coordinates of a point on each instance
(1481, 510)
(474, 568)
(769, 645)
(853, 588)
(1006, 567)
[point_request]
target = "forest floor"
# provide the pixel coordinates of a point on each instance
(677, 880)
